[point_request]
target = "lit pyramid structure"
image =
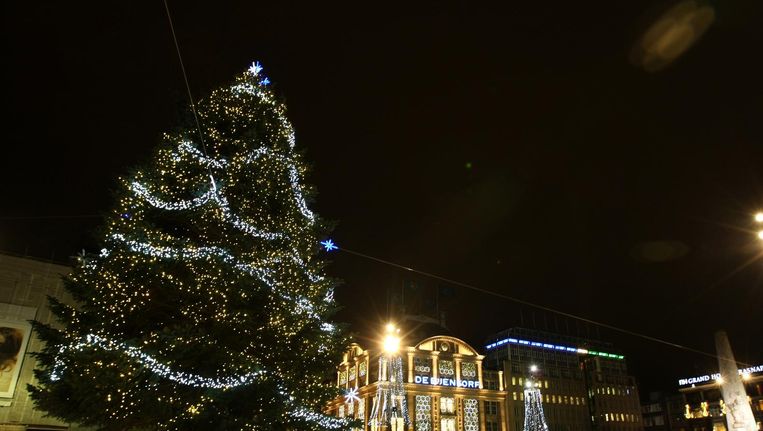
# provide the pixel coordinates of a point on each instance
(535, 420)
(390, 407)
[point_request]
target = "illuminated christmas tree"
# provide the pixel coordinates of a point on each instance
(206, 308)
(535, 420)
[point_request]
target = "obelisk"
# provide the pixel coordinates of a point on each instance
(738, 411)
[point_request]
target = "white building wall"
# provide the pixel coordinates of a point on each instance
(24, 286)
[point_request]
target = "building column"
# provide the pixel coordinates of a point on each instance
(479, 372)
(481, 411)
(504, 415)
(434, 367)
(410, 367)
(435, 400)
(411, 410)
(457, 364)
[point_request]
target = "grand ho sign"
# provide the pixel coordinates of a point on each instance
(714, 376)
(434, 381)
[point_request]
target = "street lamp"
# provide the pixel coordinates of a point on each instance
(759, 219)
(391, 340)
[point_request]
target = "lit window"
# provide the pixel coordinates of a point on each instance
(446, 368)
(471, 415)
(447, 405)
(423, 413)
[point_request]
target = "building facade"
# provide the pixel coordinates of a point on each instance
(584, 383)
(664, 412)
(24, 287)
(704, 409)
(446, 387)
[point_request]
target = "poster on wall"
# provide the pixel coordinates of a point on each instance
(14, 337)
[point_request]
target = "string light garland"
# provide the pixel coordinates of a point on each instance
(155, 366)
(207, 281)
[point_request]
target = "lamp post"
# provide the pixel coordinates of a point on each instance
(759, 220)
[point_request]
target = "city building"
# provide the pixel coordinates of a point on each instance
(445, 386)
(664, 412)
(704, 409)
(585, 383)
(24, 287)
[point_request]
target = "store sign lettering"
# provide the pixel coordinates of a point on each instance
(714, 376)
(434, 381)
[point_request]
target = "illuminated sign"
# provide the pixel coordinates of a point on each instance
(434, 381)
(553, 347)
(715, 376)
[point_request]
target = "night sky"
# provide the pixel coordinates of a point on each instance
(519, 148)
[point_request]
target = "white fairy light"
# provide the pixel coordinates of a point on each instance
(143, 192)
(155, 366)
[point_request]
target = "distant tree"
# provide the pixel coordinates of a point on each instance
(207, 308)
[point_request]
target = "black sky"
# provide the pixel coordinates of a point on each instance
(582, 164)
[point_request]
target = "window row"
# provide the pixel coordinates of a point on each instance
(621, 417)
(553, 399)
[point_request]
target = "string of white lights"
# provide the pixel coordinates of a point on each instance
(293, 178)
(155, 366)
(190, 379)
(188, 148)
(303, 304)
(301, 412)
(198, 253)
(214, 195)
(143, 192)
(267, 97)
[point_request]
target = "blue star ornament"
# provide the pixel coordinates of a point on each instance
(265, 81)
(329, 245)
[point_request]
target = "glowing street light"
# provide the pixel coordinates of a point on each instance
(759, 219)
(719, 380)
(391, 340)
(533, 368)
